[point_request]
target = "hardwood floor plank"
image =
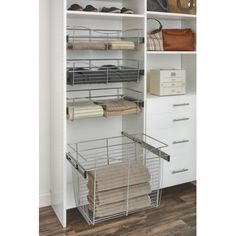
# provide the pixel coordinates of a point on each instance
(176, 216)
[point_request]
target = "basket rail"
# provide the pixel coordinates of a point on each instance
(144, 145)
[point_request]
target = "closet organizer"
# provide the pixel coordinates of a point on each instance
(103, 160)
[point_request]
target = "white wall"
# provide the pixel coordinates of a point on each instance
(44, 103)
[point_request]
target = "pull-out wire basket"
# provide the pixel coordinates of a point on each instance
(103, 71)
(116, 176)
(82, 38)
(88, 103)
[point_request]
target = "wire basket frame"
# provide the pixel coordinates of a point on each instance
(105, 102)
(97, 71)
(100, 39)
(116, 176)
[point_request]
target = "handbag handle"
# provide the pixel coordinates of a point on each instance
(160, 26)
(189, 7)
(161, 5)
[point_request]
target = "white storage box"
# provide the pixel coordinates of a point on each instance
(167, 82)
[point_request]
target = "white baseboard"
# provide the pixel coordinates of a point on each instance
(44, 200)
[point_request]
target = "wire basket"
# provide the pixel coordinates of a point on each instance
(116, 176)
(103, 102)
(103, 71)
(82, 38)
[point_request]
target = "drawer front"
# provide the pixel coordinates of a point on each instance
(172, 84)
(172, 73)
(181, 168)
(172, 80)
(170, 104)
(183, 120)
(171, 91)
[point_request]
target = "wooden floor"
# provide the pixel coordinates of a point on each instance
(175, 216)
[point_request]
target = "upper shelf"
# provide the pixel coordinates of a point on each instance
(170, 16)
(82, 14)
(171, 52)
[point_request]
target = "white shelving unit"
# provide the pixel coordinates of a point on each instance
(64, 131)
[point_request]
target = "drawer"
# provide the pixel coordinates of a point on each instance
(172, 84)
(171, 120)
(157, 105)
(172, 73)
(172, 80)
(165, 91)
(181, 168)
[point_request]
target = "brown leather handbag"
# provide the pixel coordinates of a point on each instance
(178, 40)
(182, 6)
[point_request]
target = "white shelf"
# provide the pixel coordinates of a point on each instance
(82, 14)
(170, 16)
(151, 96)
(171, 52)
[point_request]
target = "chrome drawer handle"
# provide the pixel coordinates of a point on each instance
(182, 119)
(179, 171)
(182, 141)
(181, 104)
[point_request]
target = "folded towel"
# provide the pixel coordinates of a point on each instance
(87, 45)
(84, 109)
(119, 194)
(118, 207)
(119, 107)
(124, 112)
(125, 45)
(118, 175)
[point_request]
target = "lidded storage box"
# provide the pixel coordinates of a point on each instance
(116, 176)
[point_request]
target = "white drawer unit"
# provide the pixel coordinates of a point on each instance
(174, 122)
(167, 82)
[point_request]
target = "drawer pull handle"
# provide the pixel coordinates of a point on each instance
(182, 141)
(182, 119)
(181, 104)
(179, 171)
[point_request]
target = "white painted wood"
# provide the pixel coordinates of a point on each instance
(170, 16)
(176, 126)
(171, 52)
(58, 109)
(99, 15)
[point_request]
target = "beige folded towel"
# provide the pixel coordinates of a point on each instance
(118, 207)
(119, 194)
(117, 175)
(119, 107)
(119, 45)
(121, 113)
(87, 45)
(84, 109)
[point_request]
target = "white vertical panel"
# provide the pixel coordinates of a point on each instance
(58, 109)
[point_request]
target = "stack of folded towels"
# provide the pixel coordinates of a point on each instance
(118, 188)
(119, 107)
(84, 109)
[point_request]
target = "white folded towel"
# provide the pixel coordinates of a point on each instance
(83, 109)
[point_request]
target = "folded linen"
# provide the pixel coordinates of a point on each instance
(118, 207)
(120, 113)
(119, 194)
(117, 175)
(84, 109)
(87, 45)
(120, 44)
(119, 107)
